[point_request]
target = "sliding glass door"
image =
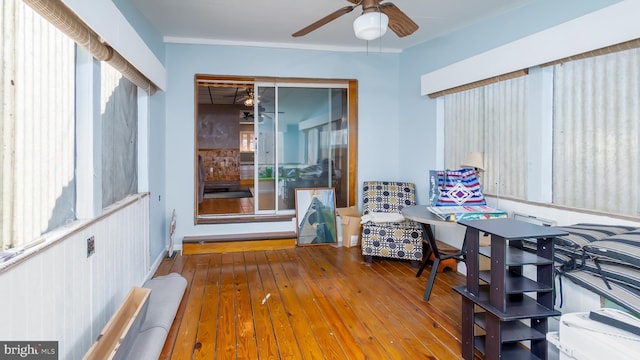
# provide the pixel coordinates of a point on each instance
(301, 142)
(266, 170)
(259, 140)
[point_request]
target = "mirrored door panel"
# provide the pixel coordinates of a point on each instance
(265, 159)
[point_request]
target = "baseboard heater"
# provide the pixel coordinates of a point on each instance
(240, 237)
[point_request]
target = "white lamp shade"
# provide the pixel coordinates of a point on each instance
(473, 160)
(371, 25)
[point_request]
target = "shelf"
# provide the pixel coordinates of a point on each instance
(512, 331)
(517, 257)
(524, 308)
(512, 229)
(515, 351)
(516, 284)
(510, 351)
(516, 307)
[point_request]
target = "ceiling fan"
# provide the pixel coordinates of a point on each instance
(250, 98)
(373, 22)
(246, 100)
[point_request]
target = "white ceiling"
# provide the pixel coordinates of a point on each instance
(271, 22)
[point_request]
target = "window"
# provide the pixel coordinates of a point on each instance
(490, 119)
(47, 157)
(596, 133)
(592, 127)
(37, 141)
(247, 143)
(119, 113)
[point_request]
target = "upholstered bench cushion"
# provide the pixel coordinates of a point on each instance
(147, 341)
(147, 344)
(166, 294)
(153, 307)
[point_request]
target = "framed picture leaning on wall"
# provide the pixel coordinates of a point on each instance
(316, 216)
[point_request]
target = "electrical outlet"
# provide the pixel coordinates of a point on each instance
(91, 246)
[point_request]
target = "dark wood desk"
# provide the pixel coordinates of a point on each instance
(422, 215)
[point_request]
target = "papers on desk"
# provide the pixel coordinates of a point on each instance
(457, 213)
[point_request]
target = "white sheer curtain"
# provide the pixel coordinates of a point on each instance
(492, 120)
(37, 133)
(596, 131)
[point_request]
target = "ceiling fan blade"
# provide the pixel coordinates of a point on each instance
(399, 22)
(334, 15)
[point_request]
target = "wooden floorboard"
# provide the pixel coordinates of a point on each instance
(311, 302)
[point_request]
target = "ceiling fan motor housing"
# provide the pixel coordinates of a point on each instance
(371, 25)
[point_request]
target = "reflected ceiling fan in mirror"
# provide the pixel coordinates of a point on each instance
(266, 114)
(247, 100)
(372, 24)
(250, 99)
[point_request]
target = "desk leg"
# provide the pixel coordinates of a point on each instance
(426, 229)
(436, 262)
(432, 278)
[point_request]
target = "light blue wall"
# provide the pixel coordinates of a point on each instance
(378, 146)
(396, 125)
(158, 213)
(143, 27)
(417, 113)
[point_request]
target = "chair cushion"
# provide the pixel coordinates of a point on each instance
(624, 248)
(395, 240)
(622, 295)
(380, 217)
(583, 234)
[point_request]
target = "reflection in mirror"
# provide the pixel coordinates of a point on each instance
(258, 142)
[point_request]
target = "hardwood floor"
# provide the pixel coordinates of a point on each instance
(313, 302)
(226, 206)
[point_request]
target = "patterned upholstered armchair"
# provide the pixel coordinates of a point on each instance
(401, 240)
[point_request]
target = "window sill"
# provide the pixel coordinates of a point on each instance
(63, 232)
(227, 219)
(44, 242)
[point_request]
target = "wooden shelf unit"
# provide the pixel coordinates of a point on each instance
(515, 308)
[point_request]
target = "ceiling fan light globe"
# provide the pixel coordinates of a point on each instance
(371, 25)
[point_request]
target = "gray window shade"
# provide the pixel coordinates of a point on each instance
(492, 120)
(119, 136)
(596, 131)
